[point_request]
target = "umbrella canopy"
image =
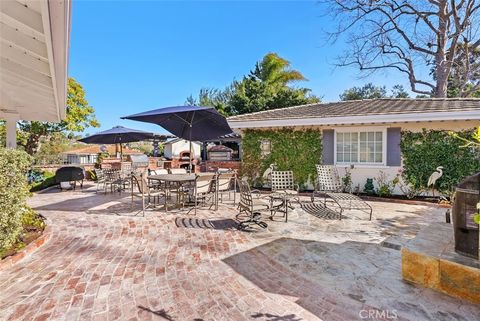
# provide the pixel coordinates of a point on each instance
(187, 122)
(117, 135)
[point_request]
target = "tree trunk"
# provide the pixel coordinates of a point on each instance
(441, 65)
(31, 146)
(442, 82)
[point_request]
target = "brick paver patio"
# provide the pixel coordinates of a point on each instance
(103, 263)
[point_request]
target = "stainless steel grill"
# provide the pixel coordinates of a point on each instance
(140, 160)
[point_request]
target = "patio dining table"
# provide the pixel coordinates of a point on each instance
(177, 181)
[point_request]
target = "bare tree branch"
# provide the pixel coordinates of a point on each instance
(412, 37)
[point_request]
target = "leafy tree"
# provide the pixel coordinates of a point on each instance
(266, 87)
(406, 36)
(51, 147)
(213, 98)
(253, 95)
(399, 92)
(276, 71)
(370, 91)
(79, 116)
(464, 81)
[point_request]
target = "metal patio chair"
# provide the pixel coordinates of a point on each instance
(251, 206)
(113, 179)
(329, 185)
(177, 171)
(285, 191)
(100, 175)
(141, 189)
(158, 171)
(226, 183)
(202, 191)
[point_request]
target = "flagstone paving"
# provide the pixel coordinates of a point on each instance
(104, 263)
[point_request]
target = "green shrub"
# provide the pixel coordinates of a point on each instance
(13, 193)
(31, 220)
(424, 151)
(49, 180)
(385, 185)
(92, 175)
(295, 150)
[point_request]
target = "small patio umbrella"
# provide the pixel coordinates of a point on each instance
(187, 122)
(117, 135)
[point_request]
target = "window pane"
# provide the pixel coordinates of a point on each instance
(339, 157)
(354, 157)
(371, 157)
(354, 137)
(355, 148)
(371, 146)
(378, 157)
(371, 136)
(363, 137)
(339, 137)
(378, 136)
(363, 157)
(340, 147)
(378, 147)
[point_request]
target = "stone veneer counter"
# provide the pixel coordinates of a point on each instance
(431, 261)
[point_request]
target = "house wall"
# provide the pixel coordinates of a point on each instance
(174, 149)
(360, 173)
(80, 158)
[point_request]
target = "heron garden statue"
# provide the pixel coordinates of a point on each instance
(434, 177)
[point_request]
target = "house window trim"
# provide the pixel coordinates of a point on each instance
(359, 130)
(264, 154)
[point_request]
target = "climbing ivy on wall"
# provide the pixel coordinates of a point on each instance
(424, 151)
(295, 150)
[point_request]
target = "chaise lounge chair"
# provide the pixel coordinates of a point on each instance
(329, 185)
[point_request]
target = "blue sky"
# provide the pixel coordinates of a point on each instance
(135, 56)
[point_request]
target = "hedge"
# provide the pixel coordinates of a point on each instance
(295, 150)
(14, 191)
(424, 151)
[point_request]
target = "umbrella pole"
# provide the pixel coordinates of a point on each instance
(190, 155)
(121, 152)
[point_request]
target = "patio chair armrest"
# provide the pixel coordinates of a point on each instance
(258, 194)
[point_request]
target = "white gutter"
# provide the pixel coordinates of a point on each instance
(349, 120)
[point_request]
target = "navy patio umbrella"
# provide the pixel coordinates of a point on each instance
(117, 135)
(187, 122)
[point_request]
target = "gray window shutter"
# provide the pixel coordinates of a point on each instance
(328, 148)
(394, 155)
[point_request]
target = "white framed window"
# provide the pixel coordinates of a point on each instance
(360, 146)
(265, 147)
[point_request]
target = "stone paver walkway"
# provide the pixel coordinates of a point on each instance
(103, 263)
